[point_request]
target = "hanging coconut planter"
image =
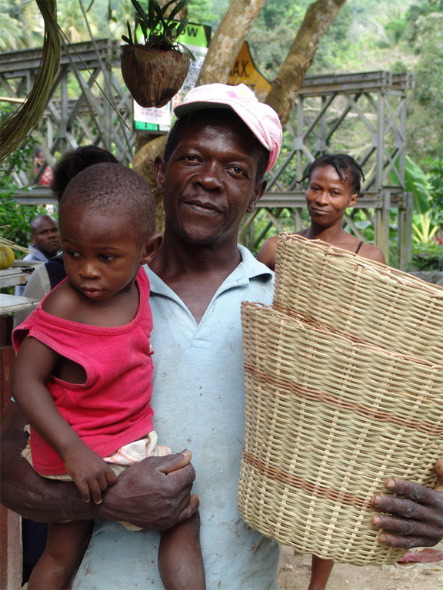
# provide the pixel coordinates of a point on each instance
(155, 70)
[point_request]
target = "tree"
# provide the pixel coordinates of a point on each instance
(317, 21)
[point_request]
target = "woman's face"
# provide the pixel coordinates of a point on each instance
(327, 196)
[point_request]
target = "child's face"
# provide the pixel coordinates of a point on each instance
(101, 252)
(327, 196)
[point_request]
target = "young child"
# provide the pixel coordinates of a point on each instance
(83, 371)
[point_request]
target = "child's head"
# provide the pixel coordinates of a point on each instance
(115, 189)
(107, 222)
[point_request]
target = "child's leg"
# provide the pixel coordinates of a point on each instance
(65, 547)
(179, 558)
(320, 572)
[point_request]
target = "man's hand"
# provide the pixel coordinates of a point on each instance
(155, 493)
(152, 494)
(415, 518)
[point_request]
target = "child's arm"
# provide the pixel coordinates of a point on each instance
(33, 366)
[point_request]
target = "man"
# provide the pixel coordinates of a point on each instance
(45, 242)
(212, 173)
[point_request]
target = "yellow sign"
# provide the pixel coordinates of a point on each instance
(244, 71)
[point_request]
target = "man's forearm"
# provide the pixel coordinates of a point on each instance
(154, 493)
(26, 492)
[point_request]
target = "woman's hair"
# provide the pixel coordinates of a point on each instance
(344, 165)
(73, 162)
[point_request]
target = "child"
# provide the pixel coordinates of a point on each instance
(83, 370)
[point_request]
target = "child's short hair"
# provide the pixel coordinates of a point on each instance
(117, 189)
(343, 163)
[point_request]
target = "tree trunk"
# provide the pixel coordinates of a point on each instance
(228, 39)
(289, 80)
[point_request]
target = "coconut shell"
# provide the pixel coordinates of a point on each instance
(153, 76)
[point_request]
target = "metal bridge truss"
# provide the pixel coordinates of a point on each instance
(363, 114)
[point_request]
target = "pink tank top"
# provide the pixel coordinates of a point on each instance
(112, 407)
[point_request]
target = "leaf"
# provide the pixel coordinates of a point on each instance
(417, 183)
(177, 9)
(139, 9)
(181, 28)
(144, 29)
(130, 41)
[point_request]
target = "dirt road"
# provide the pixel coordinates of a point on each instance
(295, 569)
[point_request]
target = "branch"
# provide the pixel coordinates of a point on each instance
(228, 39)
(318, 18)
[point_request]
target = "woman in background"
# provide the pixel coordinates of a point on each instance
(334, 182)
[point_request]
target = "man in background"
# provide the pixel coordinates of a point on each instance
(45, 242)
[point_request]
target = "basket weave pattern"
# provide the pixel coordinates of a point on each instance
(374, 302)
(330, 416)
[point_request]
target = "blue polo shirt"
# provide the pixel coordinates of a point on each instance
(198, 400)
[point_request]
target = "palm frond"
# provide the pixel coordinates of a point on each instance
(15, 128)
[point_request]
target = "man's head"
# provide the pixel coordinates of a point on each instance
(215, 159)
(73, 162)
(261, 119)
(44, 235)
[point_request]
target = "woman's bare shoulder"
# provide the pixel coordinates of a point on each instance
(372, 253)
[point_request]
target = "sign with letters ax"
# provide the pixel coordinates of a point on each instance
(244, 71)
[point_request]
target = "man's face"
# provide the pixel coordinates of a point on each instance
(209, 182)
(45, 236)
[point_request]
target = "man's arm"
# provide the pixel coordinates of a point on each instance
(414, 517)
(152, 494)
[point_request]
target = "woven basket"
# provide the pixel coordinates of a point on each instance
(359, 297)
(328, 420)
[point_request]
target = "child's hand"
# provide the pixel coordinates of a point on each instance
(89, 472)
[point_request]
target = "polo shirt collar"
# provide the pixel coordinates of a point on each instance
(248, 269)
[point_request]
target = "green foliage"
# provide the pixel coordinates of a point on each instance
(16, 217)
(158, 26)
(417, 183)
(423, 230)
(201, 12)
(435, 176)
(427, 257)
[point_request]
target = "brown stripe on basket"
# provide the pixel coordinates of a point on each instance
(320, 396)
(298, 482)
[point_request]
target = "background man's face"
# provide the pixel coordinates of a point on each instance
(45, 236)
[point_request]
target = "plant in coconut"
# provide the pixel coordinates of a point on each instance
(155, 70)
